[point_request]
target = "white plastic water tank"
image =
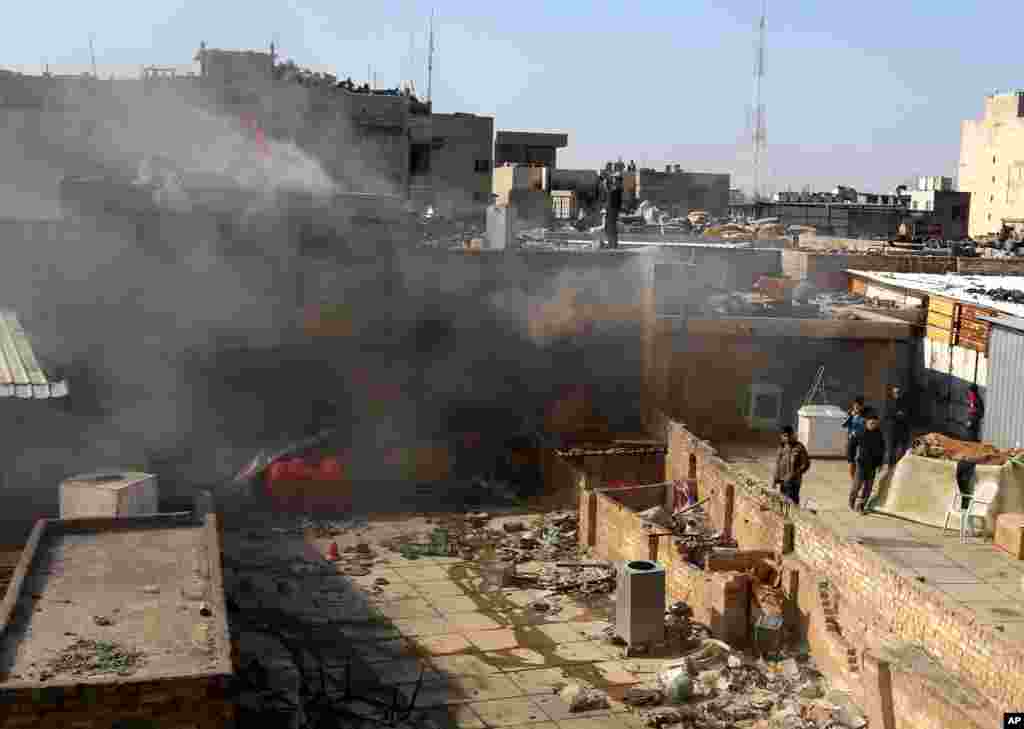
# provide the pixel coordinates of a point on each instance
(820, 428)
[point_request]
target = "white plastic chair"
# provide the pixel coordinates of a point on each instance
(977, 505)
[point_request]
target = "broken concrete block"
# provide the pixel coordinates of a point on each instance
(581, 698)
(512, 527)
(847, 713)
(497, 575)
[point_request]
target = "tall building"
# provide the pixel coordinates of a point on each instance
(334, 133)
(992, 163)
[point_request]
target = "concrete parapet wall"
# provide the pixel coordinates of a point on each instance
(199, 700)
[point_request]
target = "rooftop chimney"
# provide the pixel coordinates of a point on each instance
(668, 169)
(679, 169)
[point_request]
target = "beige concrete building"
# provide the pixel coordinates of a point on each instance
(992, 162)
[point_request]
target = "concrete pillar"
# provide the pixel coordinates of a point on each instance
(876, 678)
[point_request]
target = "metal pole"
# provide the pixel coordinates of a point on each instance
(92, 53)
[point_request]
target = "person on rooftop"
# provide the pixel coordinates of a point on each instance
(975, 412)
(869, 446)
(854, 426)
(791, 463)
(897, 418)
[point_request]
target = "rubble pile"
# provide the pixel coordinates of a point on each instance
(936, 445)
(452, 235)
(752, 231)
(1010, 296)
(714, 687)
(694, 539)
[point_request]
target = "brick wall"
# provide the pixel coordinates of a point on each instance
(198, 702)
(919, 703)
(872, 598)
(719, 600)
(618, 532)
(815, 266)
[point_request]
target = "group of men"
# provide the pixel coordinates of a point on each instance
(866, 449)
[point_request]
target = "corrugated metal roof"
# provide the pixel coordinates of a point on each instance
(1010, 322)
(20, 372)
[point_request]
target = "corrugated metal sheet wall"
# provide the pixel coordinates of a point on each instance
(1003, 425)
(943, 374)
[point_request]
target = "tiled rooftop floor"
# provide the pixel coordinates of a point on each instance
(488, 658)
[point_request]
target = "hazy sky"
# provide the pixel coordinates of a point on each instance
(867, 94)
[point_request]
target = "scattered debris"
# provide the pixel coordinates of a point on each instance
(936, 445)
(642, 697)
(102, 620)
(151, 589)
(85, 657)
(582, 698)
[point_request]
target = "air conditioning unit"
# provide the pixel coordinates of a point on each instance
(640, 603)
(762, 408)
(109, 494)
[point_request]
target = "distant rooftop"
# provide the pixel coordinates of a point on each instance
(956, 286)
(533, 139)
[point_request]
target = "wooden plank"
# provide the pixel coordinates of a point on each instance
(975, 329)
(939, 335)
(942, 306)
(940, 321)
(980, 347)
(973, 313)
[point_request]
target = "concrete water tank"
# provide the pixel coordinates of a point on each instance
(640, 603)
(821, 430)
(500, 223)
(110, 494)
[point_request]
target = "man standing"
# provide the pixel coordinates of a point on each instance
(791, 463)
(898, 420)
(854, 426)
(613, 205)
(869, 447)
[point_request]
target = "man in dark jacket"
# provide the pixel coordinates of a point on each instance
(791, 463)
(897, 418)
(613, 205)
(870, 455)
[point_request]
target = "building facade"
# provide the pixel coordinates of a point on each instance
(949, 211)
(992, 163)
(461, 163)
(528, 148)
(679, 192)
(305, 131)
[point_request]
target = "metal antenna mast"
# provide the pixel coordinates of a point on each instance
(430, 60)
(92, 54)
(760, 138)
